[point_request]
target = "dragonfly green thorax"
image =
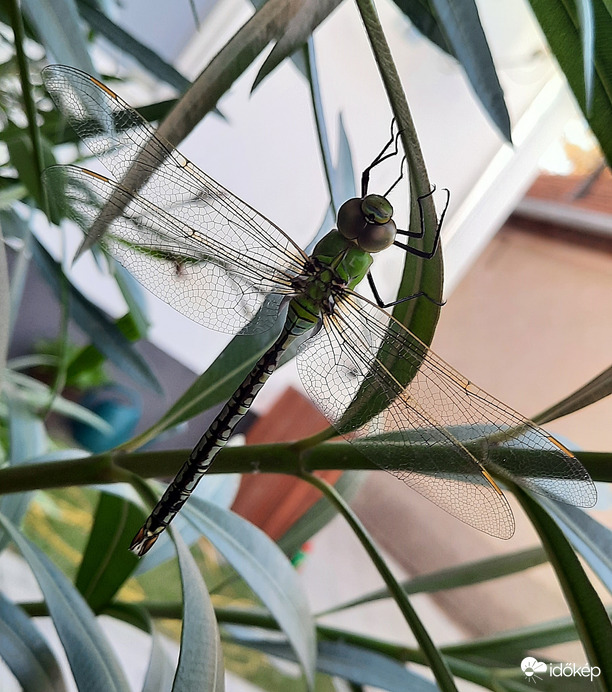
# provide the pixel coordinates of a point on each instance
(342, 258)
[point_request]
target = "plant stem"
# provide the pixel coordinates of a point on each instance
(118, 467)
(399, 104)
(26, 88)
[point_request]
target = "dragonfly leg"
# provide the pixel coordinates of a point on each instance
(382, 304)
(382, 156)
(425, 254)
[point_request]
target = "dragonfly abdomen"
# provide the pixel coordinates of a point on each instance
(216, 437)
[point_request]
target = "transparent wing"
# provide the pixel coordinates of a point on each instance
(149, 166)
(349, 360)
(220, 286)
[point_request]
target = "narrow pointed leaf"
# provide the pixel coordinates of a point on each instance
(215, 385)
(357, 664)
(200, 665)
(466, 574)
(39, 395)
(91, 659)
(592, 620)
(590, 538)
(107, 563)
(133, 294)
(160, 671)
(320, 514)
(23, 158)
(28, 440)
(267, 571)
(425, 20)
(5, 316)
(587, 32)
(301, 18)
(57, 25)
(460, 23)
(598, 388)
(508, 647)
(561, 26)
(148, 58)
(26, 652)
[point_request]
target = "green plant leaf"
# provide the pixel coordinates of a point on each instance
(22, 156)
(460, 23)
(425, 20)
(26, 652)
(39, 396)
(28, 440)
(107, 562)
(466, 574)
(561, 26)
(598, 388)
(146, 57)
(5, 314)
(590, 538)
(301, 18)
(9, 194)
(267, 571)
(200, 665)
(320, 514)
(104, 334)
(19, 270)
(91, 659)
(133, 294)
(340, 178)
(508, 648)
(587, 34)
(592, 620)
(160, 671)
(133, 614)
(357, 664)
(161, 668)
(215, 385)
(57, 25)
(90, 360)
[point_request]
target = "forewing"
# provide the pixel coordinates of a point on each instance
(147, 165)
(352, 359)
(221, 287)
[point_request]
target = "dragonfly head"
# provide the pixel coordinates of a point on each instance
(367, 222)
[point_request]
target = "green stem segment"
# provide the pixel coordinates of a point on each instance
(399, 104)
(26, 87)
(114, 467)
(435, 660)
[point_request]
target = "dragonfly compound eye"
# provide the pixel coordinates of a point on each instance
(377, 236)
(368, 222)
(351, 220)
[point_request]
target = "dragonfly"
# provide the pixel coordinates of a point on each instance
(221, 263)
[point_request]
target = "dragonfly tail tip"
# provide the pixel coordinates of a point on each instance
(143, 542)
